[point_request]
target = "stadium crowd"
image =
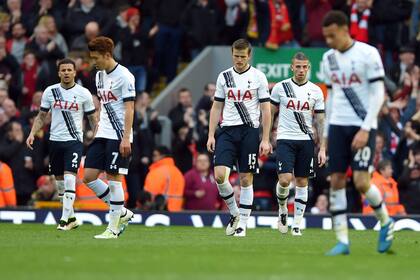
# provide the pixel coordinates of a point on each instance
(35, 34)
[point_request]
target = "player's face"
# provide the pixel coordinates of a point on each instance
(99, 60)
(335, 36)
(67, 73)
(300, 69)
(240, 59)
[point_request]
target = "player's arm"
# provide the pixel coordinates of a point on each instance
(38, 124)
(93, 121)
(273, 110)
(266, 124)
(125, 146)
(215, 112)
(319, 121)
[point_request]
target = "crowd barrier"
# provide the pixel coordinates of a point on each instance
(200, 219)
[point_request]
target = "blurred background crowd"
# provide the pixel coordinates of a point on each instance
(155, 39)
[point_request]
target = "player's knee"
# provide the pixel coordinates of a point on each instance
(361, 181)
(301, 181)
(245, 179)
(220, 175)
(338, 180)
(285, 179)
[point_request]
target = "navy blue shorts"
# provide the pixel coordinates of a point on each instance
(104, 154)
(237, 145)
(295, 156)
(341, 154)
(65, 156)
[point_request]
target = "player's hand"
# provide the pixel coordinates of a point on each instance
(322, 158)
(360, 139)
(211, 143)
(265, 148)
(125, 147)
(30, 141)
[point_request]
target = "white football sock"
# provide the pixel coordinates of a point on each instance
(301, 198)
(282, 196)
(226, 192)
(245, 205)
(69, 196)
(116, 204)
(60, 189)
(373, 195)
(338, 208)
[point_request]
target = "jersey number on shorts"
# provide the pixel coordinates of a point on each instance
(114, 160)
(74, 160)
(362, 156)
(252, 160)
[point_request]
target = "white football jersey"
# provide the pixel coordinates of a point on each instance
(297, 103)
(114, 88)
(67, 108)
(242, 94)
(348, 75)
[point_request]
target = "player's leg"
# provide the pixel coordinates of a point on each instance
(247, 165)
(339, 151)
(285, 157)
(362, 160)
(304, 162)
(224, 155)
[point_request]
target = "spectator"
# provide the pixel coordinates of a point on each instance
(10, 109)
(235, 20)
(4, 24)
(164, 180)
(264, 183)
(206, 100)
(202, 22)
(281, 33)
(16, 45)
(80, 43)
(183, 147)
(381, 150)
(4, 119)
(10, 71)
(30, 71)
(85, 74)
(321, 205)
(21, 160)
(14, 10)
(178, 113)
(79, 14)
(202, 130)
(409, 182)
(46, 8)
(135, 39)
(47, 53)
(359, 20)
(49, 22)
(3, 95)
(46, 190)
(7, 189)
(200, 187)
(406, 60)
(316, 10)
(382, 179)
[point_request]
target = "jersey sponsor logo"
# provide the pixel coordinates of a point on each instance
(297, 106)
(345, 81)
(65, 105)
(106, 96)
(239, 96)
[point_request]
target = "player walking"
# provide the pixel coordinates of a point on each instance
(354, 75)
(68, 103)
(111, 148)
(298, 99)
(240, 92)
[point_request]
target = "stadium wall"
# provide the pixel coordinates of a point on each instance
(201, 219)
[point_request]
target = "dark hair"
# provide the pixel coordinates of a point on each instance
(101, 45)
(206, 87)
(300, 56)
(66, 61)
(335, 17)
(384, 163)
(242, 44)
(183, 90)
(163, 150)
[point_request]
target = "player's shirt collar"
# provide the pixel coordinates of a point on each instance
(298, 84)
(351, 46)
(116, 65)
(240, 73)
(69, 87)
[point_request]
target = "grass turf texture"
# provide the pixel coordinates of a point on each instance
(34, 251)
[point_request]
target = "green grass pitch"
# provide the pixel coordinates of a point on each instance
(34, 251)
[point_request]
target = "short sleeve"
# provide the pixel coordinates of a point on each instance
(263, 93)
(319, 102)
(45, 100)
(88, 105)
(375, 69)
(128, 88)
(325, 71)
(219, 95)
(276, 94)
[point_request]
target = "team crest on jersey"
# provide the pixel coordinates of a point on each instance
(106, 96)
(65, 105)
(345, 81)
(297, 105)
(238, 95)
